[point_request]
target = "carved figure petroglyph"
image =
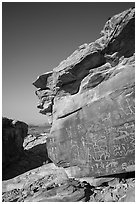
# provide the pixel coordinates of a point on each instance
(101, 155)
(104, 141)
(127, 105)
(124, 166)
(131, 104)
(75, 152)
(69, 132)
(106, 118)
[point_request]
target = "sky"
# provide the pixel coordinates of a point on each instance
(36, 37)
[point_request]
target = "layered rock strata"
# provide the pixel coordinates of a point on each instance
(13, 134)
(90, 102)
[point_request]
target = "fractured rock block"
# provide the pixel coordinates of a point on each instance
(93, 104)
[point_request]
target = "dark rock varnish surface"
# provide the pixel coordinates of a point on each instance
(90, 101)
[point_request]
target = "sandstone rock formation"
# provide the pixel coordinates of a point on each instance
(50, 183)
(89, 99)
(13, 134)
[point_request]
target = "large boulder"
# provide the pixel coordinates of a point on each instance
(89, 100)
(13, 134)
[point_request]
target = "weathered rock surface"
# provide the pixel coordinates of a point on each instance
(89, 99)
(13, 134)
(50, 183)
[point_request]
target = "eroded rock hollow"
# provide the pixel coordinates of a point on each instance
(90, 101)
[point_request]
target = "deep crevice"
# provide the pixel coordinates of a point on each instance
(60, 117)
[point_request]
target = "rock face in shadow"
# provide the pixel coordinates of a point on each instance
(33, 154)
(13, 134)
(90, 102)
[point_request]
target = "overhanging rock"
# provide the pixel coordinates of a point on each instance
(89, 99)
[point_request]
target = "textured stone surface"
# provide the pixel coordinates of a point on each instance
(89, 99)
(50, 183)
(13, 134)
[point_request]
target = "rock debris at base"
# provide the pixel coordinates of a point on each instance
(49, 183)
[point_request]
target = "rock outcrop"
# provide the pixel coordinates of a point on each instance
(30, 154)
(89, 100)
(13, 134)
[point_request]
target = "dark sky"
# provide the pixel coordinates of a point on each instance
(36, 37)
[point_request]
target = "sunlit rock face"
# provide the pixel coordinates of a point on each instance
(13, 134)
(90, 102)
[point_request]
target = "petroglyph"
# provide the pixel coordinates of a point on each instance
(106, 118)
(103, 140)
(131, 104)
(69, 132)
(123, 146)
(75, 152)
(124, 166)
(127, 105)
(89, 154)
(112, 164)
(122, 132)
(98, 135)
(81, 129)
(101, 156)
(111, 132)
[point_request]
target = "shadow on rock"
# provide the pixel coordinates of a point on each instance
(30, 159)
